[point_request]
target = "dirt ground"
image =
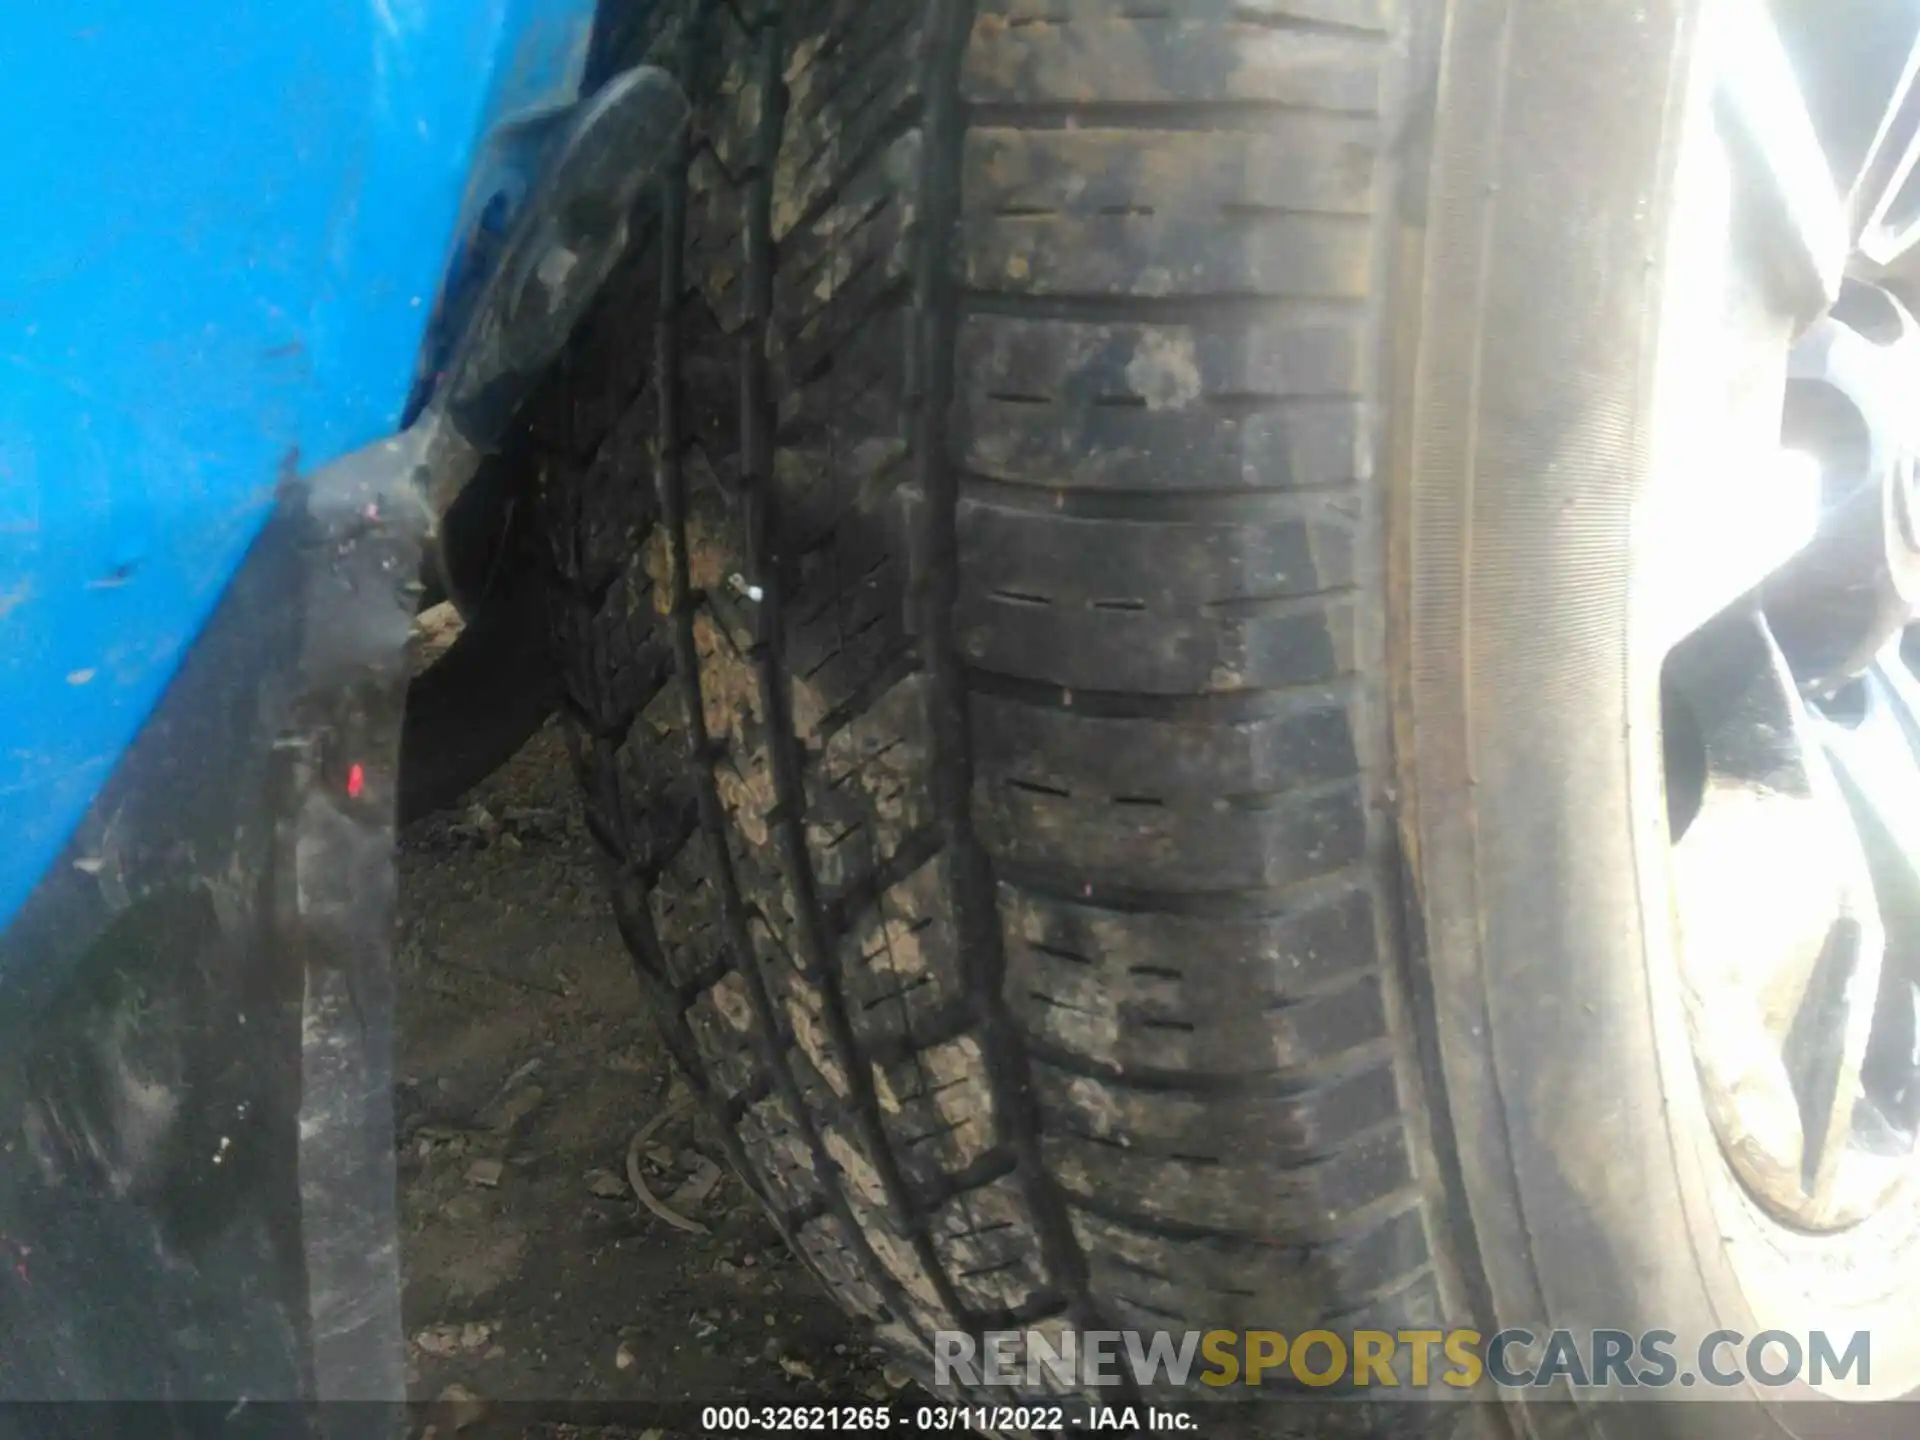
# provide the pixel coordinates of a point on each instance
(525, 1068)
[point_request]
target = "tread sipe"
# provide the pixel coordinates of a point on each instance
(973, 613)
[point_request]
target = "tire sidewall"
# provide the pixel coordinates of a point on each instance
(1594, 1188)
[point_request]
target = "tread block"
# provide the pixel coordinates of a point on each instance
(1324, 164)
(937, 1106)
(773, 1137)
(1164, 60)
(655, 806)
(846, 627)
(616, 508)
(1216, 1282)
(836, 122)
(984, 1238)
(868, 796)
(1246, 1195)
(847, 392)
(729, 46)
(895, 959)
(1027, 553)
(716, 207)
(823, 1243)
(1323, 257)
(1306, 739)
(1294, 837)
(824, 336)
(1107, 650)
(1359, 14)
(618, 657)
(1252, 960)
(1165, 407)
(1144, 1026)
(1289, 1129)
(1169, 608)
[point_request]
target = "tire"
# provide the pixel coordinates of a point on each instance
(1028, 907)
(987, 625)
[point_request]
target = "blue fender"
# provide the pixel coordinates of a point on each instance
(225, 235)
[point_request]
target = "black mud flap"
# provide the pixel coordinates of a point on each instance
(197, 1212)
(197, 1191)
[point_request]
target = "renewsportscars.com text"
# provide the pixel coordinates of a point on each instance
(1396, 1359)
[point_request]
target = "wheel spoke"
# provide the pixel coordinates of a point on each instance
(1781, 941)
(1776, 549)
(1876, 757)
(1709, 541)
(1725, 506)
(1803, 219)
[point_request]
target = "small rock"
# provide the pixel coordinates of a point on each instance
(450, 1340)
(515, 1107)
(606, 1184)
(441, 1340)
(480, 819)
(497, 1352)
(697, 1186)
(463, 1406)
(877, 1391)
(896, 1379)
(797, 1369)
(660, 1157)
(485, 1173)
(702, 1327)
(653, 1434)
(839, 1349)
(521, 1072)
(623, 1357)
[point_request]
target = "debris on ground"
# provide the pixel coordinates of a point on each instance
(460, 1407)
(529, 1258)
(647, 1198)
(697, 1186)
(606, 1185)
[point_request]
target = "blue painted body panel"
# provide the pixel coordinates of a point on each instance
(224, 233)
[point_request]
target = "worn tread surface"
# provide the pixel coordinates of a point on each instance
(963, 503)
